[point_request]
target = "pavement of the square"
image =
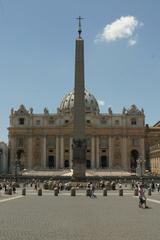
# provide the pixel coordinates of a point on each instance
(64, 217)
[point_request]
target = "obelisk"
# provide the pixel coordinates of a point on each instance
(79, 143)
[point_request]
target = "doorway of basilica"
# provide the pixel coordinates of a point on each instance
(66, 164)
(88, 164)
(104, 162)
(51, 161)
(134, 155)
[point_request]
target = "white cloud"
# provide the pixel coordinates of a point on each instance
(132, 42)
(101, 103)
(124, 27)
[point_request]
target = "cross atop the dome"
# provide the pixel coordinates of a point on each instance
(79, 26)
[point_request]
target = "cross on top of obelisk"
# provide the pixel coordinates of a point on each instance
(79, 26)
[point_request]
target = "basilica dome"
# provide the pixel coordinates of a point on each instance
(91, 104)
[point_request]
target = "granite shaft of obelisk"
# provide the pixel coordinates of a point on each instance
(79, 101)
(79, 146)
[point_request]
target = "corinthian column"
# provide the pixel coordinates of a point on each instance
(44, 153)
(93, 152)
(97, 152)
(142, 154)
(110, 152)
(57, 152)
(30, 153)
(125, 164)
(62, 152)
(12, 154)
(142, 147)
(70, 153)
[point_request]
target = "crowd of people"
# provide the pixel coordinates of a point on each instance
(9, 187)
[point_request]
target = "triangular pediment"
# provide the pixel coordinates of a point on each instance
(133, 110)
(22, 110)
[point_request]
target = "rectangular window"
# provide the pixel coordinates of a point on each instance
(20, 142)
(51, 142)
(135, 141)
(133, 122)
(38, 122)
(116, 122)
(103, 143)
(67, 142)
(103, 121)
(88, 142)
(21, 121)
(51, 122)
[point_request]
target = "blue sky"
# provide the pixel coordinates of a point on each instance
(37, 41)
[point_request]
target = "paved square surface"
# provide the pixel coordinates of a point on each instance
(65, 218)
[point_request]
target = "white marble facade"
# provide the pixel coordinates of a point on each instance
(41, 141)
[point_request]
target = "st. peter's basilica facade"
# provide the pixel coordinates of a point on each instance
(114, 141)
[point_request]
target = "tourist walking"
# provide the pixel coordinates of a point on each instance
(142, 197)
(92, 191)
(152, 185)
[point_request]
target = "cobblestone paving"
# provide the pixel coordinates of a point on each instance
(79, 218)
